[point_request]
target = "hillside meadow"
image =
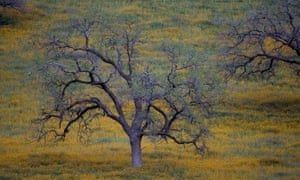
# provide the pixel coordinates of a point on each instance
(255, 131)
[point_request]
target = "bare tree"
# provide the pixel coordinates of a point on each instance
(264, 39)
(104, 76)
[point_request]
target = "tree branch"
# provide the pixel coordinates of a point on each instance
(249, 38)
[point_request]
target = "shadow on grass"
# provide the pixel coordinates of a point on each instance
(270, 162)
(7, 21)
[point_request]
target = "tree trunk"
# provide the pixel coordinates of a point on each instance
(136, 151)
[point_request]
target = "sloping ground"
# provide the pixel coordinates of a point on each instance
(255, 134)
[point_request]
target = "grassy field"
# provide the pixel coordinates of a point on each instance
(255, 132)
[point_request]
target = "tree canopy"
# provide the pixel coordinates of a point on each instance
(264, 39)
(102, 74)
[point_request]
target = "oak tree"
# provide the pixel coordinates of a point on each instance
(96, 70)
(265, 39)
